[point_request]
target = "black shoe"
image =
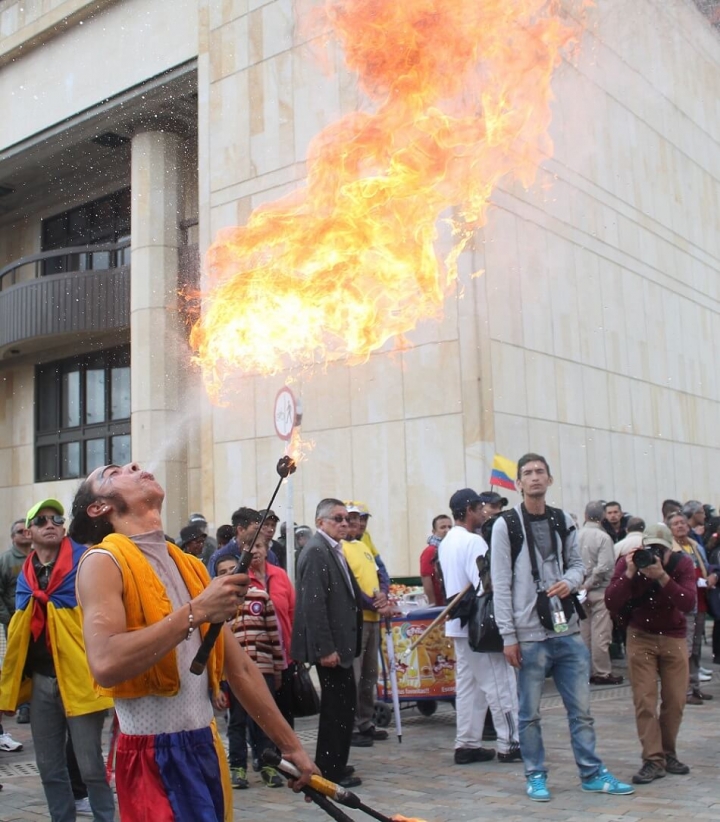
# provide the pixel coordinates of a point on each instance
(361, 741)
(23, 716)
(348, 770)
(702, 695)
(608, 679)
(513, 755)
(675, 766)
(377, 733)
(464, 756)
(350, 782)
(648, 773)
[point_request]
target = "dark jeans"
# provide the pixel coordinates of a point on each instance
(49, 726)
(240, 727)
(79, 790)
(337, 713)
(283, 696)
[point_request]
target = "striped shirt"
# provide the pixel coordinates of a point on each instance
(256, 629)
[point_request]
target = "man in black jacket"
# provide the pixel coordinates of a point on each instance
(327, 632)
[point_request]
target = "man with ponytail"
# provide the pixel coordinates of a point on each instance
(146, 607)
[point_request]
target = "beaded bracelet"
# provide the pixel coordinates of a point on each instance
(191, 625)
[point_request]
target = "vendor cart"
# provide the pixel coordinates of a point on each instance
(425, 676)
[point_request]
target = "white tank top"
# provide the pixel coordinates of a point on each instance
(191, 708)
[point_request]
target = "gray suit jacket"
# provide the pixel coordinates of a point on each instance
(328, 614)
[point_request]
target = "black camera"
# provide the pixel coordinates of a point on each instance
(645, 557)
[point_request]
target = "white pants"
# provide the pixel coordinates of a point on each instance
(484, 681)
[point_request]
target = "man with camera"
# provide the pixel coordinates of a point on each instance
(652, 590)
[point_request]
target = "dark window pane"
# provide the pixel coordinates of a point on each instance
(94, 454)
(94, 395)
(83, 414)
(120, 394)
(48, 399)
(70, 460)
(120, 450)
(70, 417)
(47, 463)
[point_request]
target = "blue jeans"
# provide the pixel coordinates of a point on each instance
(568, 660)
(49, 726)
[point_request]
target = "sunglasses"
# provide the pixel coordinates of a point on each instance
(339, 518)
(41, 519)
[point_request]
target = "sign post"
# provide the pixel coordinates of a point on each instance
(286, 417)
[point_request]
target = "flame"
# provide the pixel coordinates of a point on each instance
(298, 448)
(460, 91)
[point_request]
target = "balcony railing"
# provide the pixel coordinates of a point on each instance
(66, 260)
(90, 294)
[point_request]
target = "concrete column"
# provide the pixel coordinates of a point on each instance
(157, 345)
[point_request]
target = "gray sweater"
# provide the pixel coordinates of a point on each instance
(514, 590)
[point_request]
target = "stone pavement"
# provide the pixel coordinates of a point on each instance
(418, 777)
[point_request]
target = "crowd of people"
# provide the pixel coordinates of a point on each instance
(567, 600)
(107, 617)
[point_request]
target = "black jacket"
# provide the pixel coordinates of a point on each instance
(328, 613)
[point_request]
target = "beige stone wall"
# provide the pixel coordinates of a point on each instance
(590, 336)
(101, 55)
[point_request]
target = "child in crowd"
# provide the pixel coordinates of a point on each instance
(256, 629)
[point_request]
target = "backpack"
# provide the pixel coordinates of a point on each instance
(558, 525)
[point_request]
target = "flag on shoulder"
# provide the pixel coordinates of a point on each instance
(503, 472)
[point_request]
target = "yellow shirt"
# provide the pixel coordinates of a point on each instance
(361, 562)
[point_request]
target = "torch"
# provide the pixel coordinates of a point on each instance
(286, 466)
(322, 786)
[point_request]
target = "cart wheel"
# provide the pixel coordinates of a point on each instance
(382, 715)
(427, 707)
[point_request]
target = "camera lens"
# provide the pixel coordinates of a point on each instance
(644, 557)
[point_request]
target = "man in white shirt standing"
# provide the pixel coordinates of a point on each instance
(482, 680)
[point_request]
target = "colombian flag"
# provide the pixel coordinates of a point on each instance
(503, 473)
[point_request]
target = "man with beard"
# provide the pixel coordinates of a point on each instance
(146, 606)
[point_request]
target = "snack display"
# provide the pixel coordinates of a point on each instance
(429, 671)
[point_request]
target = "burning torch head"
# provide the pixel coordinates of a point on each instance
(286, 466)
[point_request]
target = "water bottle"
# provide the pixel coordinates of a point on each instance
(558, 615)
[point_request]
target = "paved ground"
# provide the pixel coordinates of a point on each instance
(418, 779)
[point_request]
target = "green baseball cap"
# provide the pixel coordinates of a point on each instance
(45, 503)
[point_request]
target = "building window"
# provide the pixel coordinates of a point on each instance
(102, 222)
(83, 414)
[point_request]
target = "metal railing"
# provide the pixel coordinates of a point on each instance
(65, 260)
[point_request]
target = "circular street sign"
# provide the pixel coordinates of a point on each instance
(285, 411)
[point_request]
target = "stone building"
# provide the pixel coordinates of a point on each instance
(132, 130)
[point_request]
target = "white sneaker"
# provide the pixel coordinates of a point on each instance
(7, 743)
(704, 677)
(705, 671)
(82, 807)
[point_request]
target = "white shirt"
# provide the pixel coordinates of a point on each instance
(458, 553)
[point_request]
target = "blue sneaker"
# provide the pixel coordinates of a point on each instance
(537, 787)
(605, 782)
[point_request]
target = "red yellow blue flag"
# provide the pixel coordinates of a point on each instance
(503, 472)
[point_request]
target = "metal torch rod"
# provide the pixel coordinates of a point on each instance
(323, 786)
(438, 619)
(285, 467)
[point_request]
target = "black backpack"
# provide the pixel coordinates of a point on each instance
(513, 522)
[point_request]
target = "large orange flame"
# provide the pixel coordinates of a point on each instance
(461, 96)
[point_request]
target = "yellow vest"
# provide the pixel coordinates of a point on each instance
(146, 602)
(362, 564)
